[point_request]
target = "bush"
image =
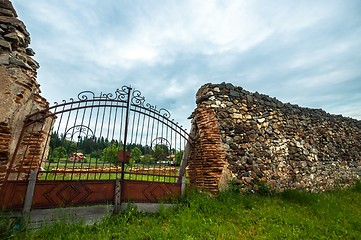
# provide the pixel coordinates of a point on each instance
(234, 186)
(95, 154)
(110, 154)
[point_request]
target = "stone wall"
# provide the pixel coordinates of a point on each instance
(19, 90)
(258, 141)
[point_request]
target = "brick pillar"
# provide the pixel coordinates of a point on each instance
(207, 160)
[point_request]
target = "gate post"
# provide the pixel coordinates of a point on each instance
(126, 132)
(119, 182)
(184, 163)
(118, 194)
(186, 154)
(30, 192)
(183, 185)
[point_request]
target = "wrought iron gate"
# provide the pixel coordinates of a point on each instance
(110, 148)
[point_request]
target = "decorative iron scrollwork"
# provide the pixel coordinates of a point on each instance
(160, 141)
(138, 100)
(119, 94)
(122, 94)
(164, 112)
(84, 95)
(161, 147)
(80, 130)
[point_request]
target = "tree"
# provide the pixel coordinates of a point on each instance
(59, 152)
(96, 154)
(110, 154)
(101, 143)
(160, 152)
(70, 146)
(55, 140)
(88, 145)
(178, 156)
(147, 159)
(135, 156)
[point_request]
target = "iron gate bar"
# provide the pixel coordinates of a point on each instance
(57, 133)
(125, 136)
(180, 131)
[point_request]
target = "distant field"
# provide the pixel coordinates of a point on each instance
(107, 176)
(62, 170)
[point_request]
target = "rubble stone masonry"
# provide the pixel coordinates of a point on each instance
(256, 140)
(19, 90)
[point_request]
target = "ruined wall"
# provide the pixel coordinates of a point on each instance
(255, 139)
(19, 90)
(206, 171)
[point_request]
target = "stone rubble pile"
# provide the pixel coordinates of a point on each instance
(14, 39)
(281, 145)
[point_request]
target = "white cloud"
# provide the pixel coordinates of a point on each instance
(322, 80)
(204, 27)
(283, 47)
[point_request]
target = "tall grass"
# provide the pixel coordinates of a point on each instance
(287, 215)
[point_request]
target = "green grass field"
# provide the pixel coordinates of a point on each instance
(287, 215)
(106, 173)
(108, 176)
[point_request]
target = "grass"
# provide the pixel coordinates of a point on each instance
(287, 215)
(106, 172)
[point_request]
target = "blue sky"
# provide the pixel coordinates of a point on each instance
(304, 52)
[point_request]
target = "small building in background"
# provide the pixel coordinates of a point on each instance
(76, 157)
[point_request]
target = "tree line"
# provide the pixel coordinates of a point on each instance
(107, 150)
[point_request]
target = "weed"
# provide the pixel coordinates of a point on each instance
(235, 186)
(262, 188)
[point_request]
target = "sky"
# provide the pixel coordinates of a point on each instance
(303, 52)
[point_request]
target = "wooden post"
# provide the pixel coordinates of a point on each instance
(30, 191)
(118, 195)
(186, 154)
(183, 186)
